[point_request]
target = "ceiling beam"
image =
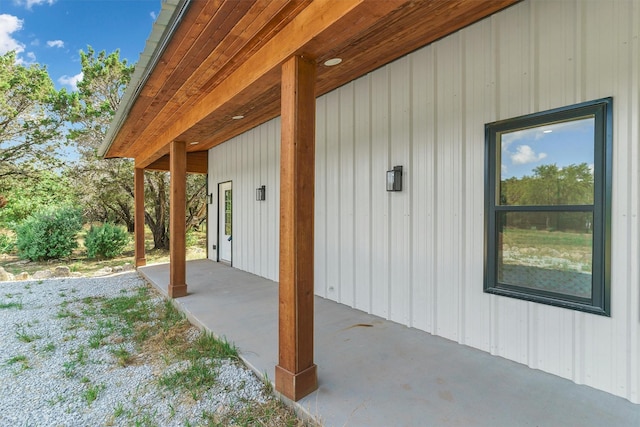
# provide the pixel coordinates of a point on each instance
(197, 162)
(319, 18)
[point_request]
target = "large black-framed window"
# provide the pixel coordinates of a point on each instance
(548, 206)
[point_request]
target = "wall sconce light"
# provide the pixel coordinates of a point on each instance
(394, 179)
(261, 193)
(210, 198)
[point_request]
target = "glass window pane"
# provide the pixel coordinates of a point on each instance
(547, 251)
(551, 164)
(227, 212)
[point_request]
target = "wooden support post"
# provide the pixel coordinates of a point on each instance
(138, 197)
(296, 374)
(177, 220)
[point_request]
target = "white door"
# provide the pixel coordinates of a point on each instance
(225, 215)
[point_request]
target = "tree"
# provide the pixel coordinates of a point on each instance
(550, 185)
(157, 203)
(196, 201)
(108, 184)
(24, 196)
(157, 197)
(92, 107)
(30, 123)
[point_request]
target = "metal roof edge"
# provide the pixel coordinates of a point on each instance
(162, 31)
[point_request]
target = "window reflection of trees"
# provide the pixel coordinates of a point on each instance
(550, 185)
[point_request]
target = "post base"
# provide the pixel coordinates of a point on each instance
(296, 386)
(141, 262)
(177, 291)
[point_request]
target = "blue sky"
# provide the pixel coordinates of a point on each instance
(52, 32)
(563, 144)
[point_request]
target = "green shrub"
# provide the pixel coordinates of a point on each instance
(49, 233)
(191, 238)
(7, 243)
(106, 241)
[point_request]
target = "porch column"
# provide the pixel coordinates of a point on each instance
(138, 219)
(177, 220)
(296, 373)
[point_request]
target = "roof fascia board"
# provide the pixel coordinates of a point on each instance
(163, 29)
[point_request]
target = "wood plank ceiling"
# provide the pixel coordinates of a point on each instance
(224, 59)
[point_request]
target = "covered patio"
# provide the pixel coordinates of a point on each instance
(373, 372)
(214, 70)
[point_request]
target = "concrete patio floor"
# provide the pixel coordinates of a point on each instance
(386, 374)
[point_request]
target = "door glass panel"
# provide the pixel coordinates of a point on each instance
(550, 164)
(227, 212)
(547, 251)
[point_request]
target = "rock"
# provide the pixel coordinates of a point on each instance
(118, 269)
(4, 276)
(75, 274)
(127, 267)
(21, 262)
(42, 274)
(23, 276)
(62, 271)
(105, 271)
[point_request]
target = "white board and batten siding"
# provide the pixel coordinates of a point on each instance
(416, 256)
(249, 161)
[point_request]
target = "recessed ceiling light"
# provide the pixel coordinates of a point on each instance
(237, 117)
(195, 143)
(333, 61)
(547, 131)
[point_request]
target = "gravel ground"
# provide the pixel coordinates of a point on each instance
(49, 376)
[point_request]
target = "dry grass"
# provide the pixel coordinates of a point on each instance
(268, 414)
(162, 337)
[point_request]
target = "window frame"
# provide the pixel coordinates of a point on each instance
(600, 301)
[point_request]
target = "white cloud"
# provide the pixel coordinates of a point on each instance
(35, 42)
(55, 43)
(30, 3)
(9, 24)
(29, 60)
(153, 15)
(524, 154)
(71, 81)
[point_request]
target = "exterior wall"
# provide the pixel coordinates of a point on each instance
(249, 161)
(416, 257)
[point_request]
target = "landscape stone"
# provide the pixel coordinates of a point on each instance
(23, 276)
(103, 272)
(118, 269)
(42, 274)
(62, 271)
(5, 276)
(127, 267)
